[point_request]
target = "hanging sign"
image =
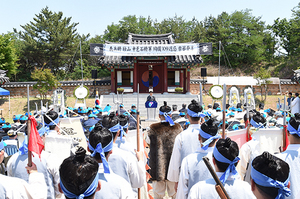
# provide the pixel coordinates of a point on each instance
(151, 50)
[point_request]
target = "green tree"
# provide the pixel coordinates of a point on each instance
(8, 54)
(241, 34)
(262, 76)
(45, 81)
(49, 41)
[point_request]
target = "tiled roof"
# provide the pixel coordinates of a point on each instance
(287, 81)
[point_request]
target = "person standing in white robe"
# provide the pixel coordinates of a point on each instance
(11, 187)
(291, 155)
(101, 147)
(295, 104)
(225, 158)
(186, 142)
(270, 177)
(193, 168)
(250, 149)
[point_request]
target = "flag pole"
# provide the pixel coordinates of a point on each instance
(138, 142)
(28, 136)
(224, 110)
(28, 128)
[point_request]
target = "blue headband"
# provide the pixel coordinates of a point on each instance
(115, 128)
(6, 126)
(88, 192)
(101, 151)
(122, 130)
(292, 130)
(43, 130)
(92, 115)
(167, 117)
(24, 147)
(255, 124)
(230, 169)
(23, 118)
(231, 113)
(91, 128)
(209, 138)
(54, 123)
(266, 181)
(2, 145)
(194, 114)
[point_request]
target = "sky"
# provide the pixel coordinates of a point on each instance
(94, 16)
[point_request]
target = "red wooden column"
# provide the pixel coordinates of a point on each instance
(181, 79)
(188, 79)
(165, 78)
(135, 71)
(112, 81)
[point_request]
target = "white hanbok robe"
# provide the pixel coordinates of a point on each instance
(193, 170)
(235, 188)
(124, 164)
(292, 157)
(248, 152)
(295, 105)
(113, 186)
(19, 188)
(186, 143)
(16, 168)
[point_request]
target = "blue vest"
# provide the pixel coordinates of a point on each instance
(19, 171)
(190, 141)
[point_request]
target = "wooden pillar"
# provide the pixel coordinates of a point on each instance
(112, 81)
(135, 78)
(188, 79)
(181, 79)
(165, 78)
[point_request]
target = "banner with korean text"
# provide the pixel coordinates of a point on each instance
(151, 50)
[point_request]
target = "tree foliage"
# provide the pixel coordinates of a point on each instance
(51, 41)
(8, 54)
(46, 81)
(48, 42)
(262, 76)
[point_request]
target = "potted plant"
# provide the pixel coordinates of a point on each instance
(178, 90)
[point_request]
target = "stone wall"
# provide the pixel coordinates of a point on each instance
(19, 89)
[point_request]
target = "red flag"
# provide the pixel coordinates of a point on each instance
(287, 142)
(35, 143)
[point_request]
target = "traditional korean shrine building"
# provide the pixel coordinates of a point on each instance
(154, 62)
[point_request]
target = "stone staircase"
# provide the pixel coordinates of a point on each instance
(129, 99)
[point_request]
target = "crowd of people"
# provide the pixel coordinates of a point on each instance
(111, 167)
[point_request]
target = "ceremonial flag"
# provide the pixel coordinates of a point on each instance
(97, 101)
(287, 142)
(35, 142)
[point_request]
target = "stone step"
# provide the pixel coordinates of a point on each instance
(129, 99)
